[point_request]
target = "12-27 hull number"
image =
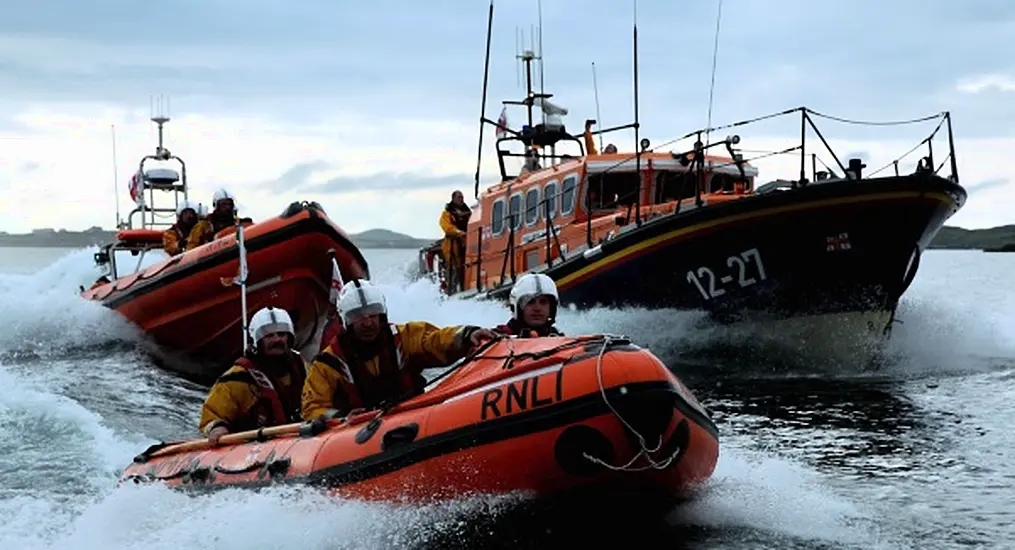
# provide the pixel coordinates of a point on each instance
(705, 279)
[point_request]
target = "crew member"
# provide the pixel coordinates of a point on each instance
(455, 224)
(371, 361)
(174, 239)
(534, 303)
(223, 216)
(263, 387)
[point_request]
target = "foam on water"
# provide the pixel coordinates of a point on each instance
(60, 489)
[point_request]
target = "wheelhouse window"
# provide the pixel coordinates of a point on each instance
(532, 207)
(550, 195)
(608, 190)
(497, 217)
(672, 186)
(515, 210)
(568, 193)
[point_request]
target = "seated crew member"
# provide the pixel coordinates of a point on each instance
(534, 302)
(263, 387)
(174, 239)
(222, 216)
(455, 225)
(371, 361)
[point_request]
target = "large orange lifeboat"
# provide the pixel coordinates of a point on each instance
(547, 417)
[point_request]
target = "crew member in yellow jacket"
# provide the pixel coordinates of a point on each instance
(263, 387)
(455, 224)
(174, 239)
(371, 361)
(223, 215)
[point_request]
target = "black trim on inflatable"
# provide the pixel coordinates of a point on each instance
(316, 223)
(518, 425)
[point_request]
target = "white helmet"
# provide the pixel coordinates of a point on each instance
(359, 298)
(529, 286)
(221, 194)
(185, 204)
(268, 321)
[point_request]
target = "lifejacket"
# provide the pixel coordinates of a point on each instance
(332, 328)
(269, 410)
(459, 215)
(181, 237)
(358, 388)
(514, 327)
(220, 221)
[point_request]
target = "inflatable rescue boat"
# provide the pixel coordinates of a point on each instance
(191, 302)
(188, 302)
(546, 417)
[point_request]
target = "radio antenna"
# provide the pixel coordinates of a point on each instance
(116, 182)
(542, 90)
(711, 88)
(637, 141)
(599, 117)
(482, 109)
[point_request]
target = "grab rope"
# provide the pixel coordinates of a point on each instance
(644, 451)
(872, 123)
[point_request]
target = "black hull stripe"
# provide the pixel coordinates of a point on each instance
(314, 224)
(518, 425)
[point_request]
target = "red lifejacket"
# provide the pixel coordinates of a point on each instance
(281, 413)
(515, 327)
(332, 328)
(358, 388)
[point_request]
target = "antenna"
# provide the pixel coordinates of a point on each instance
(711, 88)
(160, 118)
(116, 182)
(599, 117)
(542, 89)
(482, 109)
(637, 141)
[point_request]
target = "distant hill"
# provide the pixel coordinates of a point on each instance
(947, 238)
(384, 238)
(372, 238)
(959, 238)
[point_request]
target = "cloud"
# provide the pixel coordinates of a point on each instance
(391, 181)
(345, 102)
(987, 82)
(297, 177)
(986, 185)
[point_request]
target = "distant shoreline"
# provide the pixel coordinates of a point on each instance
(48, 238)
(949, 238)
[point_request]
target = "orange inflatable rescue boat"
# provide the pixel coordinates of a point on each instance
(189, 303)
(546, 417)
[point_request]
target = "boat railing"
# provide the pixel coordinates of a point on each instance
(853, 169)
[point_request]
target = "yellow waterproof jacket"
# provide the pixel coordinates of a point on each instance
(202, 233)
(453, 245)
(245, 398)
(173, 241)
(340, 380)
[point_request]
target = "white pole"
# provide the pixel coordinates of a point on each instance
(242, 278)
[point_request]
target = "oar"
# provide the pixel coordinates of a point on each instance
(300, 428)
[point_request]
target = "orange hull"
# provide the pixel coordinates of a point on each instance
(494, 426)
(184, 304)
